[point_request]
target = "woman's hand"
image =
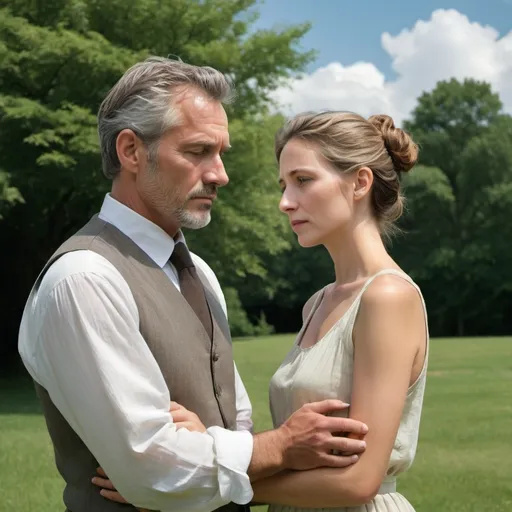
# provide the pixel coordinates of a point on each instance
(182, 418)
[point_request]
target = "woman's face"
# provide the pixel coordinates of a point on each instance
(318, 199)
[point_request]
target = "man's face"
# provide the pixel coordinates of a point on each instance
(179, 182)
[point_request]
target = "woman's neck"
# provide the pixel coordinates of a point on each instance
(358, 253)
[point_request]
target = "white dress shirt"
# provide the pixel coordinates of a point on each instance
(80, 340)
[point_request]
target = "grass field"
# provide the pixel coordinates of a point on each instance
(464, 459)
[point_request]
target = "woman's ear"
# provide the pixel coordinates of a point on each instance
(363, 182)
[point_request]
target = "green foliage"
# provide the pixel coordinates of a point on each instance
(456, 227)
(58, 59)
(8, 195)
(239, 322)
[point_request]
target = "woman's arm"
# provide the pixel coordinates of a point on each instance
(388, 334)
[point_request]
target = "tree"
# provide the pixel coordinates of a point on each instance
(8, 195)
(58, 60)
(458, 204)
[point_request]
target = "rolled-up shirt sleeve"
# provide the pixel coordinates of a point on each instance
(101, 375)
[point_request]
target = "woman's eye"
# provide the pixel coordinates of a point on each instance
(303, 180)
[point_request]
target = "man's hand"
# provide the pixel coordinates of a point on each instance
(183, 418)
(307, 440)
(108, 490)
(313, 439)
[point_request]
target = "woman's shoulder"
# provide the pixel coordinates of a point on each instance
(392, 320)
(392, 303)
(391, 290)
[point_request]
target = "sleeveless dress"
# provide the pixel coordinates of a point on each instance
(325, 370)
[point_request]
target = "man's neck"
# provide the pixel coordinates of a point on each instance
(128, 196)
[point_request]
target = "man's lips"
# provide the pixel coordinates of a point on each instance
(205, 198)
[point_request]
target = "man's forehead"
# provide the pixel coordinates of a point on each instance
(195, 99)
(196, 132)
(201, 118)
(192, 101)
(197, 125)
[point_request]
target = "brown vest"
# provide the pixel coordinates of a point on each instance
(198, 370)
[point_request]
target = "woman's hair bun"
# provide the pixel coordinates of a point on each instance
(399, 144)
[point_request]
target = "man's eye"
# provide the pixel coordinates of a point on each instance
(198, 151)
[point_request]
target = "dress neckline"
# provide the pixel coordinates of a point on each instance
(319, 299)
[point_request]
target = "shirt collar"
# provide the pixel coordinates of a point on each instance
(152, 239)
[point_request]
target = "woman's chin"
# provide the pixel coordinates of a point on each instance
(308, 241)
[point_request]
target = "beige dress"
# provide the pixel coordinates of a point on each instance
(324, 370)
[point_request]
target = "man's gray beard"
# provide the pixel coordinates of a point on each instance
(185, 218)
(190, 221)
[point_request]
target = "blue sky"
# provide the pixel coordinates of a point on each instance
(350, 30)
(374, 56)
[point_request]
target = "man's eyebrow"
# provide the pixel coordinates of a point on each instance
(207, 143)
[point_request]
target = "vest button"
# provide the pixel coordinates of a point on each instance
(218, 391)
(215, 357)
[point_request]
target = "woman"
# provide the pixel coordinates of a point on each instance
(364, 338)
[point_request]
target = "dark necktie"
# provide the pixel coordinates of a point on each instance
(191, 286)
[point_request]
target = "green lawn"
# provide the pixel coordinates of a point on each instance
(464, 460)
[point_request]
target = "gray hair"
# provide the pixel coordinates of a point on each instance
(142, 101)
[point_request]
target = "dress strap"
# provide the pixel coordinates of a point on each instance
(385, 271)
(392, 271)
(314, 306)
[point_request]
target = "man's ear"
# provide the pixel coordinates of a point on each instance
(130, 150)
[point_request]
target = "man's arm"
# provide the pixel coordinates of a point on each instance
(101, 375)
(306, 441)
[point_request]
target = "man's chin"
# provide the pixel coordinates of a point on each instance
(196, 220)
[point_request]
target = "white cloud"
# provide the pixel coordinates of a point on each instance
(448, 45)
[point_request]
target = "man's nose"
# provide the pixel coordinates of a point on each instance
(217, 174)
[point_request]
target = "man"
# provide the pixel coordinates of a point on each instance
(123, 318)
